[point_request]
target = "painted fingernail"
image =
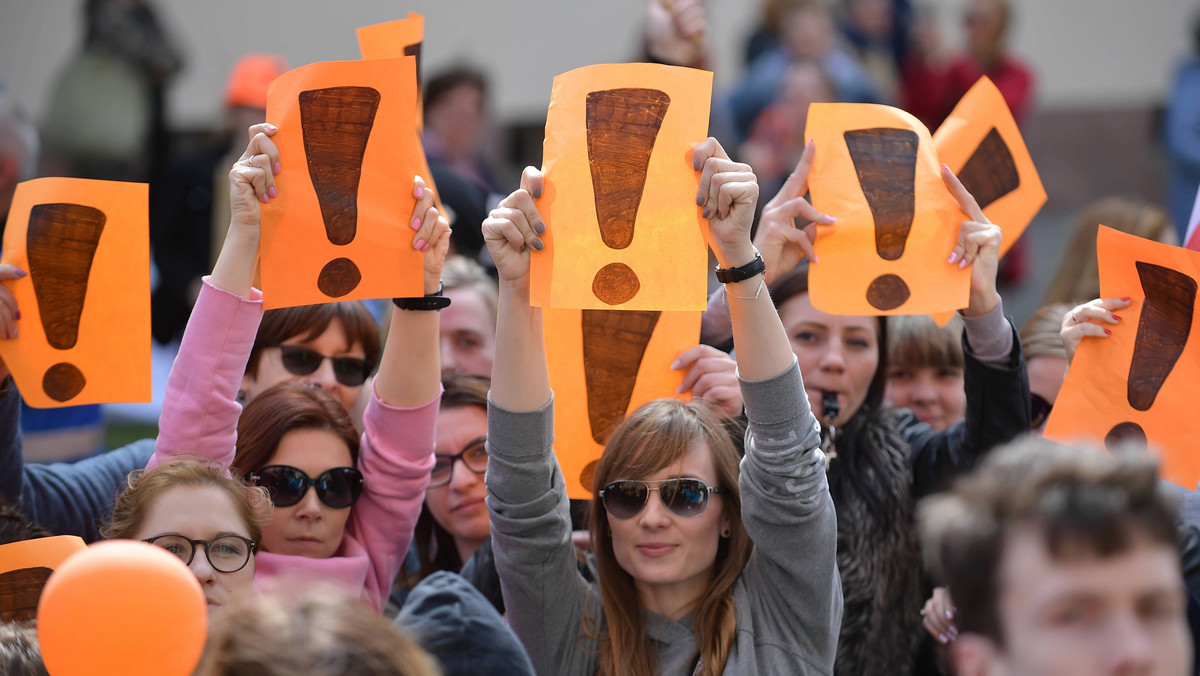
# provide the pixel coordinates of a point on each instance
(416, 224)
(962, 264)
(537, 192)
(830, 219)
(695, 162)
(539, 228)
(266, 199)
(271, 127)
(427, 246)
(953, 257)
(420, 244)
(707, 212)
(1126, 298)
(419, 192)
(21, 273)
(17, 315)
(278, 167)
(1117, 317)
(272, 192)
(538, 244)
(1107, 332)
(699, 199)
(942, 639)
(946, 167)
(675, 365)
(949, 615)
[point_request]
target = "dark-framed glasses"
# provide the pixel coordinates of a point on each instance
(225, 553)
(474, 455)
(685, 497)
(1039, 410)
(338, 487)
(303, 361)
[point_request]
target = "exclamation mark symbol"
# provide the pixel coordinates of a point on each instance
(614, 342)
(1162, 334)
(61, 244)
(622, 125)
(336, 123)
(991, 172)
(885, 160)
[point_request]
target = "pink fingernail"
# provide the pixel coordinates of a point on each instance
(1117, 317)
(1107, 332)
(271, 127)
(272, 192)
(953, 257)
(949, 615)
(831, 219)
(420, 192)
(266, 199)
(278, 168)
(962, 264)
(416, 224)
(1126, 298)
(426, 247)
(420, 244)
(942, 639)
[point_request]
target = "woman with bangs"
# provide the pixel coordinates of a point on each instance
(344, 505)
(682, 589)
(925, 369)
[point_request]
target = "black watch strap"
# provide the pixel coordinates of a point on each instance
(742, 272)
(434, 301)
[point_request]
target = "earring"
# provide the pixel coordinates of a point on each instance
(725, 532)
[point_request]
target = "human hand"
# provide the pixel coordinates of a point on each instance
(728, 192)
(252, 178)
(514, 227)
(938, 616)
(676, 31)
(9, 312)
(711, 375)
(432, 235)
(1084, 320)
(978, 246)
(781, 243)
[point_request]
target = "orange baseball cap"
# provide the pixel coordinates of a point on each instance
(249, 78)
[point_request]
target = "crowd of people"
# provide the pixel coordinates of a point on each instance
(372, 488)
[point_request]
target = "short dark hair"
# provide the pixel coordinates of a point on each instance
(1083, 503)
(310, 321)
(287, 407)
(437, 86)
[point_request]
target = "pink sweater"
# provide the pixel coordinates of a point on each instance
(200, 416)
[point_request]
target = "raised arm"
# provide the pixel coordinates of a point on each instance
(792, 577)
(200, 409)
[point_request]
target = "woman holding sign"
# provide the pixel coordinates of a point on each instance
(344, 506)
(882, 460)
(703, 568)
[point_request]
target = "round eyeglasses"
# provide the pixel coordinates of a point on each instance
(226, 553)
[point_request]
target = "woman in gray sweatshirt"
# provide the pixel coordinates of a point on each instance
(703, 568)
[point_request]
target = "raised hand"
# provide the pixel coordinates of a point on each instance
(432, 234)
(252, 178)
(978, 246)
(1088, 319)
(514, 228)
(781, 243)
(712, 376)
(728, 192)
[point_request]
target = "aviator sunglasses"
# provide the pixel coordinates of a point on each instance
(338, 487)
(684, 497)
(302, 361)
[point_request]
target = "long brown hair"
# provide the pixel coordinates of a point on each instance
(284, 408)
(653, 437)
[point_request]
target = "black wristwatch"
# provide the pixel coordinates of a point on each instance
(434, 301)
(742, 272)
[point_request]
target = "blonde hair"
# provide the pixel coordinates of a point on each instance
(1078, 278)
(1040, 335)
(655, 436)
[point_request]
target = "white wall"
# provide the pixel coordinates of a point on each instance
(1086, 52)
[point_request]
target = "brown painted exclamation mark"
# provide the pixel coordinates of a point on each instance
(622, 125)
(61, 245)
(336, 123)
(885, 160)
(614, 342)
(991, 172)
(1162, 334)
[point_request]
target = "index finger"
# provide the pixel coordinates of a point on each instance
(966, 201)
(797, 182)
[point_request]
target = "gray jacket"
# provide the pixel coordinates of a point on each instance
(788, 599)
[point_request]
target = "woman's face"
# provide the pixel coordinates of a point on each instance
(332, 343)
(671, 557)
(836, 354)
(202, 513)
(458, 507)
(310, 527)
(934, 393)
(467, 330)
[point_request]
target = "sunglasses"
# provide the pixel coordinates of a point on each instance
(338, 487)
(1039, 409)
(474, 456)
(684, 497)
(301, 361)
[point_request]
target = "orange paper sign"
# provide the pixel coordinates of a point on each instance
(25, 567)
(620, 192)
(85, 306)
(876, 171)
(339, 229)
(603, 364)
(1138, 385)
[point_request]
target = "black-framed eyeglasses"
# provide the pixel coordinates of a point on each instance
(474, 455)
(303, 361)
(226, 553)
(1039, 410)
(338, 487)
(685, 497)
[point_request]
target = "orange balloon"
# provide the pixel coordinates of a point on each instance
(122, 607)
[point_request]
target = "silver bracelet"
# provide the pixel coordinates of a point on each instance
(762, 284)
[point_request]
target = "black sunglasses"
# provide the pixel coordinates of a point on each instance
(1039, 410)
(684, 497)
(474, 456)
(302, 361)
(338, 487)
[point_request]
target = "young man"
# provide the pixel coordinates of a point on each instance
(1061, 561)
